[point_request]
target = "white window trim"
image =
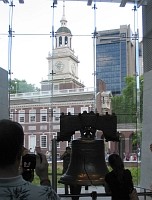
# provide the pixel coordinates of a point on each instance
(41, 141)
(21, 113)
(43, 112)
(32, 113)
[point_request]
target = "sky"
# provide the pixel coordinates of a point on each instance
(32, 23)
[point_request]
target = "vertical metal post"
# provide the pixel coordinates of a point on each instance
(54, 143)
(52, 72)
(10, 52)
(121, 146)
(94, 56)
(137, 74)
(144, 194)
(54, 164)
(94, 195)
(50, 124)
(137, 71)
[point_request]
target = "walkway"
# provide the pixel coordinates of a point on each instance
(99, 189)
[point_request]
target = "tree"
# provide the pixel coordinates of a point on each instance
(125, 106)
(21, 86)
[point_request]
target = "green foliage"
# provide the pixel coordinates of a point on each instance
(136, 140)
(129, 106)
(36, 180)
(125, 106)
(21, 86)
(135, 171)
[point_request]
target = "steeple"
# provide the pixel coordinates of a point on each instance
(63, 20)
(63, 34)
(63, 61)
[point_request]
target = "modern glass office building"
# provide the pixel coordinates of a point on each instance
(115, 57)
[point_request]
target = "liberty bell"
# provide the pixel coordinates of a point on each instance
(87, 165)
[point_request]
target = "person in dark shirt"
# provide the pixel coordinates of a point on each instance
(118, 182)
(66, 160)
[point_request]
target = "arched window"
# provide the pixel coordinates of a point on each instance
(60, 41)
(66, 40)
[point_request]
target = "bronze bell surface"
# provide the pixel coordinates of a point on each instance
(87, 165)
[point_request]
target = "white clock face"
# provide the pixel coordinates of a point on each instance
(59, 66)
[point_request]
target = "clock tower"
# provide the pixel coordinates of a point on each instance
(62, 63)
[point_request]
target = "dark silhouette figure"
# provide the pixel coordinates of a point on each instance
(118, 182)
(66, 160)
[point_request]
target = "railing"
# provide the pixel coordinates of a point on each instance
(95, 194)
(48, 93)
